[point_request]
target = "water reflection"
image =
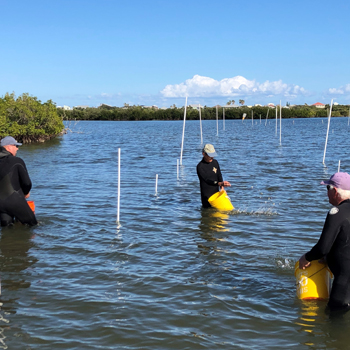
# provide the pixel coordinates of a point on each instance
(319, 328)
(310, 312)
(212, 221)
(15, 243)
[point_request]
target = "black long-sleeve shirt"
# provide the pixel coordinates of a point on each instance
(15, 168)
(209, 175)
(15, 184)
(334, 243)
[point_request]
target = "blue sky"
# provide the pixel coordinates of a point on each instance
(155, 52)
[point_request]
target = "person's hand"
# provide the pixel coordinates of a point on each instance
(224, 183)
(27, 195)
(303, 263)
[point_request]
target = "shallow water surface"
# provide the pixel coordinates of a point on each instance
(173, 275)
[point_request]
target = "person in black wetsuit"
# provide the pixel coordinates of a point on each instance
(15, 185)
(209, 174)
(334, 243)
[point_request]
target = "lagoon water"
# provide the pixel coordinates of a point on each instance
(173, 276)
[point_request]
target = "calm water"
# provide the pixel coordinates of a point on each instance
(173, 276)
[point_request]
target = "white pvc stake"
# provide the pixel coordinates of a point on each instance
(156, 184)
(329, 121)
(200, 123)
(276, 119)
(280, 123)
(177, 169)
(118, 200)
(339, 166)
(223, 116)
(267, 114)
(183, 133)
(217, 120)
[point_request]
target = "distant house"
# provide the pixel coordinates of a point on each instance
(65, 108)
(271, 105)
(257, 105)
(319, 105)
(196, 106)
(81, 107)
(150, 107)
(226, 106)
(231, 106)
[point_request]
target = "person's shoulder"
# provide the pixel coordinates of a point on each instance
(342, 207)
(16, 159)
(333, 211)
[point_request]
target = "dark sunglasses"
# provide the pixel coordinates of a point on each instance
(329, 187)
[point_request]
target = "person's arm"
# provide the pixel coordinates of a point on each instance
(329, 233)
(221, 182)
(24, 179)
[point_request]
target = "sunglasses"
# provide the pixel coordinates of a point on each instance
(329, 187)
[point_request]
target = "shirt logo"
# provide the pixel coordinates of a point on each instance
(333, 211)
(215, 170)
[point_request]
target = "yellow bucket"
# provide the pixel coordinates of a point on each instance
(314, 282)
(221, 201)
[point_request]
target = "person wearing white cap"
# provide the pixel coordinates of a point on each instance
(209, 174)
(334, 243)
(15, 185)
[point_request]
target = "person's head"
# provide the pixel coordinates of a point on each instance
(10, 144)
(338, 188)
(209, 152)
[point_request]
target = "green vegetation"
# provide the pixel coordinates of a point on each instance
(127, 113)
(27, 119)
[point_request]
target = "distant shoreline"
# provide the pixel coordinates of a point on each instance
(139, 113)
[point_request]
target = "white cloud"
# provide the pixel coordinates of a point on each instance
(342, 90)
(200, 86)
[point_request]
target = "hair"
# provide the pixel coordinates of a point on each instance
(343, 194)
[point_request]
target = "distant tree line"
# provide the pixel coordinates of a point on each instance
(128, 113)
(27, 119)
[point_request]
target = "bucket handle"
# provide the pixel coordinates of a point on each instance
(324, 267)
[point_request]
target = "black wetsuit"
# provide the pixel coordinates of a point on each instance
(14, 185)
(334, 243)
(209, 175)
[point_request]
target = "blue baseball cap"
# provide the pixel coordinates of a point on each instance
(8, 141)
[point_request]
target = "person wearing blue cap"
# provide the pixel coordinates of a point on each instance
(334, 243)
(209, 174)
(15, 185)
